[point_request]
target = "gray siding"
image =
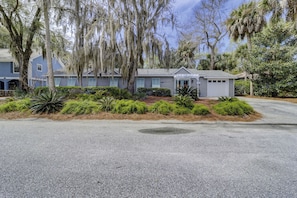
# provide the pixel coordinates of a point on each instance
(231, 88)
(203, 87)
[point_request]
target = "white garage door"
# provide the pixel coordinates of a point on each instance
(217, 87)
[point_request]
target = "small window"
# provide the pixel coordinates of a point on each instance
(223, 81)
(71, 81)
(57, 82)
(209, 81)
(214, 81)
(39, 67)
(155, 82)
(114, 82)
(219, 81)
(139, 83)
(92, 82)
(16, 68)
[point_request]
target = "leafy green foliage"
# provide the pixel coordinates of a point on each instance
(184, 101)
(242, 87)
(188, 91)
(107, 103)
(92, 96)
(273, 61)
(228, 99)
(47, 103)
(239, 108)
(162, 92)
(80, 107)
(129, 107)
(181, 110)
(200, 109)
(15, 105)
(161, 107)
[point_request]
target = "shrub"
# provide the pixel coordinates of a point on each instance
(47, 103)
(161, 107)
(15, 105)
(161, 92)
(180, 110)
(233, 108)
(242, 87)
(95, 96)
(80, 107)
(129, 107)
(188, 91)
(200, 109)
(184, 101)
(107, 103)
(228, 99)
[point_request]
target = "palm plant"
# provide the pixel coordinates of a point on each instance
(244, 22)
(48, 102)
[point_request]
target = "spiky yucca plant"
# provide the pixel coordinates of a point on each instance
(107, 103)
(47, 103)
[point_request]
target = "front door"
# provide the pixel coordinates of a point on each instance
(182, 83)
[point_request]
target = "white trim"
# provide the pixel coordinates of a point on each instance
(181, 69)
(39, 65)
(9, 78)
(13, 70)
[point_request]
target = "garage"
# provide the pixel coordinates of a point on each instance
(217, 87)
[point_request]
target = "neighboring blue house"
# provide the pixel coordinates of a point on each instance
(37, 71)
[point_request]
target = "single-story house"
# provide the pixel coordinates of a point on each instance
(209, 83)
(37, 70)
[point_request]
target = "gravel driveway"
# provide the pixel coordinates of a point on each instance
(43, 158)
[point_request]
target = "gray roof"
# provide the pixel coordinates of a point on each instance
(172, 72)
(165, 72)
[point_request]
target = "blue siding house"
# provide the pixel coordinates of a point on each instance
(37, 71)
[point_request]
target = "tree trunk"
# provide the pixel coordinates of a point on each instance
(212, 58)
(51, 82)
(249, 44)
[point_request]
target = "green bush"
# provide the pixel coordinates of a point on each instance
(233, 108)
(15, 105)
(161, 92)
(106, 103)
(200, 109)
(188, 91)
(80, 107)
(95, 96)
(129, 107)
(47, 103)
(226, 98)
(161, 107)
(180, 110)
(242, 87)
(184, 101)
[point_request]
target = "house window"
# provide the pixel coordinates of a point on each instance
(39, 67)
(71, 81)
(139, 83)
(15, 68)
(92, 82)
(114, 82)
(155, 82)
(182, 83)
(57, 82)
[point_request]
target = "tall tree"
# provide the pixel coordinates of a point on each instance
(127, 33)
(244, 22)
(209, 24)
(274, 60)
(51, 82)
(22, 21)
